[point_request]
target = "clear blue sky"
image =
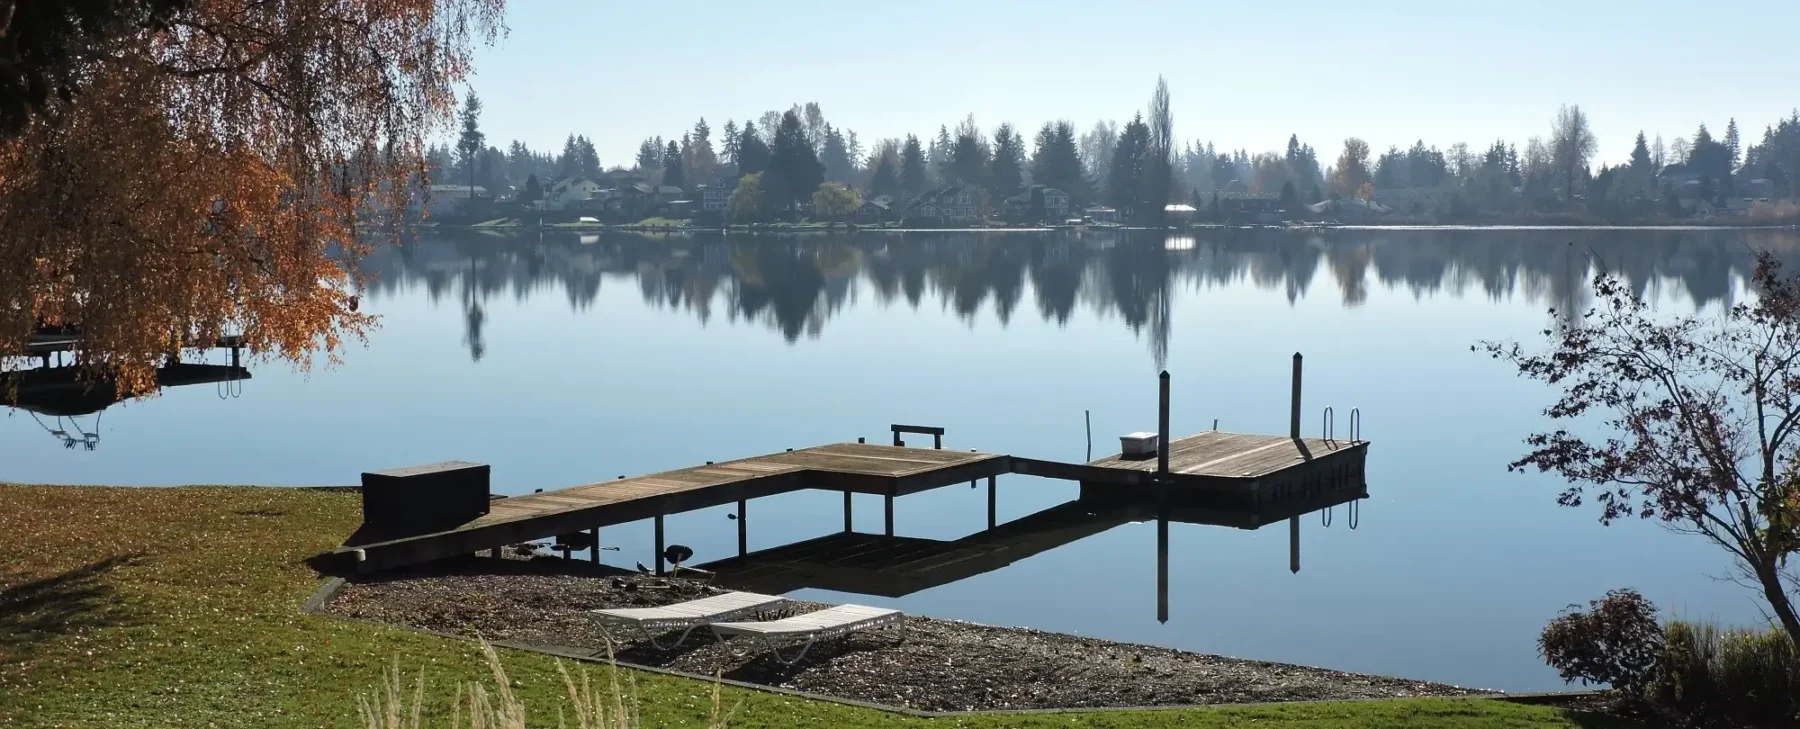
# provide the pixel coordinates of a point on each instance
(1241, 74)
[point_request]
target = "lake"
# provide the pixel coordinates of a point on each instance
(568, 359)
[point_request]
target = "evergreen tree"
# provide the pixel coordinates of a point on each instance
(472, 142)
(728, 151)
(941, 149)
(968, 166)
(913, 175)
(1734, 144)
(1640, 156)
(1006, 171)
(568, 164)
(673, 174)
(794, 169)
(752, 154)
(1158, 169)
(886, 177)
(533, 191)
(588, 162)
(649, 156)
(835, 156)
(701, 158)
(1123, 181)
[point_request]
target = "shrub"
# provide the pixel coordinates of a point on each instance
(1748, 676)
(1615, 642)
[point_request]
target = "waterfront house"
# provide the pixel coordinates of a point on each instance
(953, 204)
(570, 193)
(1250, 207)
(716, 197)
(872, 212)
(452, 199)
(1055, 202)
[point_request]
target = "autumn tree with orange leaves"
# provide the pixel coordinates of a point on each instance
(204, 167)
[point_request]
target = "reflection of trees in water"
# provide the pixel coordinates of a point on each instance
(794, 285)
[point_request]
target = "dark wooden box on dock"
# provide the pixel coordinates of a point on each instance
(425, 498)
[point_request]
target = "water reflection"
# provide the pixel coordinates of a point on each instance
(892, 566)
(795, 285)
(68, 405)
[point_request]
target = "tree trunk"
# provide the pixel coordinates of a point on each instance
(1778, 601)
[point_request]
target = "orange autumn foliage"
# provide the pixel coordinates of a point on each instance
(216, 177)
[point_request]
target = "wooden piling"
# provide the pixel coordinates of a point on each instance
(1162, 567)
(992, 480)
(1294, 545)
(849, 525)
(659, 544)
(594, 551)
(890, 516)
(1294, 415)
(743, 530)
(1162, 426)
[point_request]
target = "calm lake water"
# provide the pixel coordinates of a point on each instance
(574, 359)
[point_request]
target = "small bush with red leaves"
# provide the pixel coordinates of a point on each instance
(1616, 642)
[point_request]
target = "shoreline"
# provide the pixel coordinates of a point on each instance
(939, 664)
(820, 230)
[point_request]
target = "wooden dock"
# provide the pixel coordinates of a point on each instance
(888, 471)
(1211, 470)
(1209, 473)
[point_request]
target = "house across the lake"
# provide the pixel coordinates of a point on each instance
(715, 197)
(953, 204)
(1101, 214)
(1250, 207)
(569, 193)
(452, 199)
(873, 211)
(1055, 202)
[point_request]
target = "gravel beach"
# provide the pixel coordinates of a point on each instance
(934, 665)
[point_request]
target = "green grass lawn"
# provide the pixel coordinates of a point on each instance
(180, 607)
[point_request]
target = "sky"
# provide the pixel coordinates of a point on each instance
(1243, 75)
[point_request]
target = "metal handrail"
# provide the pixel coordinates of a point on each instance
(1355, 425)
(1327, 426)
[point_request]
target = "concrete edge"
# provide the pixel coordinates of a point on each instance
(315, 605)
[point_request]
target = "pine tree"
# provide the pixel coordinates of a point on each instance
(941, 149)
(1640, 157)
(728, 150)
(886, 178)
(472, 142)
(569, 163)
(589, 159)
(701, 158)
(1123, 180)
(967, 164)
(834, 154)
(1006, 171)
(1733, 144)
(913, 176)
(533, 192)
(673, 174)
(649, 156)
(751, 153)
(794, 169)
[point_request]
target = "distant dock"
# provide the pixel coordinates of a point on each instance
(415, 516)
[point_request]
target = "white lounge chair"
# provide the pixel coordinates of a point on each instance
(647, 623)
(812, 627)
